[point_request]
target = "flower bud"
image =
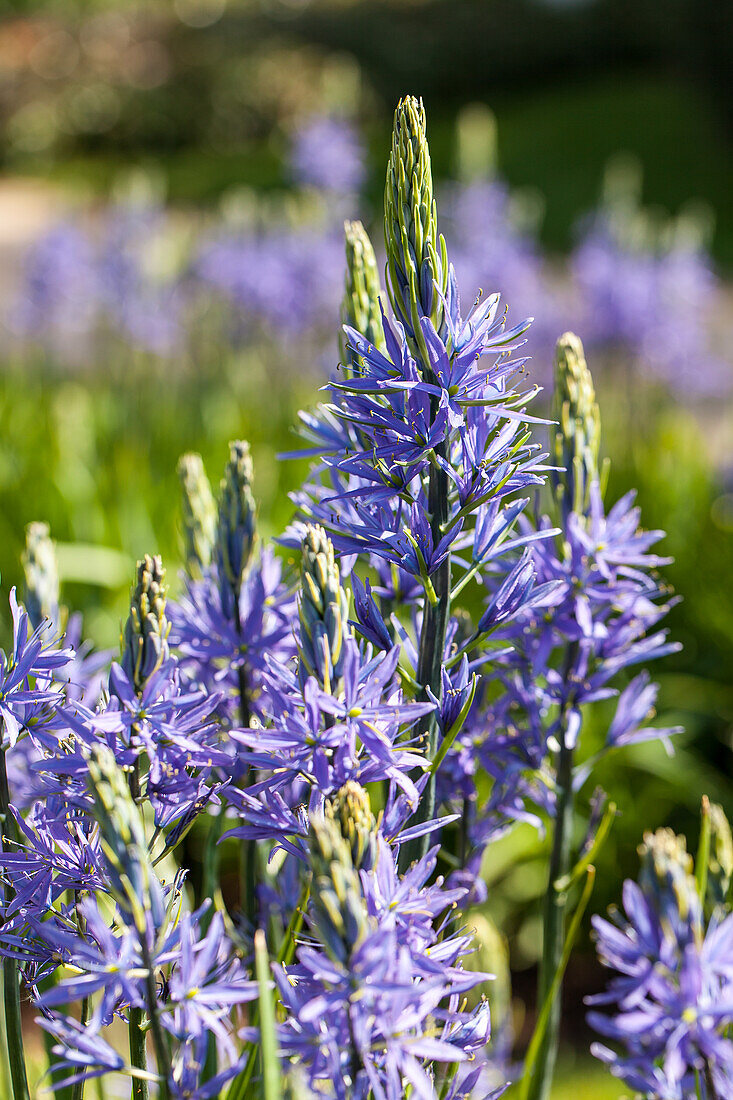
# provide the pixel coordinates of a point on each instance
(323, 611)
(510, 596)
(416, 256)
(133, 882)
(351, 810)
(144, 641)
(236, 525)
(577, 434)
(198, 514)
(720, 861)
(360, 305)
(666, 878)
(339, 913)
(41, 575)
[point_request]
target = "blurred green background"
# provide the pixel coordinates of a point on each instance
(194, 104)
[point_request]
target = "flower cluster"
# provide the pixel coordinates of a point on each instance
(672, 955)
(339, 728)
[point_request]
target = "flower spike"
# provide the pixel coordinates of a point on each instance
(144, 641)
(41, 575)
(198, 514)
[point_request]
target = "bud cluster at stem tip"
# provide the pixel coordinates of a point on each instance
(144, 642)
(577, 433)
(198, 513)
(360, 306)
(339, 912)
(351, 809)
(133, 882)
(236, 526)
(41, 575)
(720, 861)
(323, 610)
(667, 875)
(417, 262)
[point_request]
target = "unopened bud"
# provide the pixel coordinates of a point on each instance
(360, 306)
(236, 525)
(198, 514)
(577, 434)
(416, 255)
(133, 882)
(41, 575)
(145, 637)
(666, 878)
(351, 810)
(720, 862)
(323, 611)
(339, 912)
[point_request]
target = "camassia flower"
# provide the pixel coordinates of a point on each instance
(28, 694)
(672, 995)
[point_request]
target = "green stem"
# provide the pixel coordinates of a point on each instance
(532, 1058)
(77, 1091)
(4, 1064)
(248, 866)
(162, 1056)
(138, 1056)
(432, 648)
(554, 923)
(11, 979)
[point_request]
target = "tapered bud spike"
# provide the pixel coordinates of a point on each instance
(339, 913)
(236, 528)
(351, 810)
(666, 875)
(323, 611)
(133, 882)
(144, 642)
(41, 575)
(577, 434)
(360, 306)
(198, 510)
(417, 264)
(720, 862)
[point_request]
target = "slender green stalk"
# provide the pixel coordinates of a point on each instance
(77, 1090)
(4, 1064)
(432, 648)
(271, 1074)
(534, 1053)
(137, 1036)
(554, 925)
(702, 860)
(162, 1055)
(138, 1054)
(11, 981)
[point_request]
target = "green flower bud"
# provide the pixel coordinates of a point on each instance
(144, 642)
(198, 513)
(417, 262)
(720, 862)
(338, 911)
(133, 882)
(360, 306)
(41, 575)
(352, 812)
(236, 529)
(666, 875)
(323, 611)
(577, 434)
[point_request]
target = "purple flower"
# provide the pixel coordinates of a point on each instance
(27, 692)
(673, 989)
